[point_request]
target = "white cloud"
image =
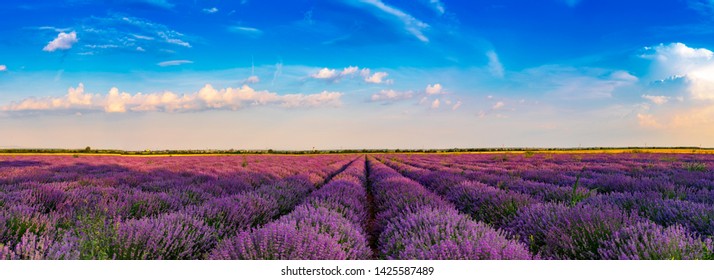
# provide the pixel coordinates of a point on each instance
(656, 99)
(326, 74)
(623, 76)
(434, 89)
(211, 10)
(435, 104)
(391, 95)
(494, 65)
(349, 71)
(677, 61)
(335, 74)
(456, 106)
(252, 80)
(207, 98)
(498, 105)
(173, 63)
(437, 6)
(378, 78)
(3, 67)
(64, 41)
(250, 31)
(52, 28)
(409, 23)
(148, 29)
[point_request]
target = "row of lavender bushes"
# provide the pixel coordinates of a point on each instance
(183, 216)
(414, 223)
(623, 224)
(330, 224)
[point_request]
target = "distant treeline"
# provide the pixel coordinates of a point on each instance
(89, 150)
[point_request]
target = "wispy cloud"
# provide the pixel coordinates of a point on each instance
(277, 73)
(211, 10)
(409, 23)
(64, 41)
(656, 99)
(456, 106)
(155, 3)
(129, 33)
(52, 28)
(250, 31)
(174, 63)
(494, 64)
(705, 7)
(207, 98)
(3, 67)
(437, 6)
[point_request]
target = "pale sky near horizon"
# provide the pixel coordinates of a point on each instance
(208, 74)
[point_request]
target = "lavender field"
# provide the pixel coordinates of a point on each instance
(380, 206)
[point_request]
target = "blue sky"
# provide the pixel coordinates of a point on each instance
(156, 74)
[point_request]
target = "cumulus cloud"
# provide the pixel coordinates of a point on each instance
(377, 78)
(334, 75)
(349, 71)
(494, 64)
(677, 61)
(207, 98)
(682, 80)
(434, 89)
(252, 80)
(64, 41)
(435, 104)
(173, 63)
(391, 95)
(326, 74)
(3, 68)
(498, 105)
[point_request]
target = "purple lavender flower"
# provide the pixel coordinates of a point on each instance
(649, 241)
(234, 213)
(438, 233)
(325, 221)
(488, 204)
(280, 241)
(171, 236)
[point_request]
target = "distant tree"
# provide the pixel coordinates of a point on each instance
(87, 149)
